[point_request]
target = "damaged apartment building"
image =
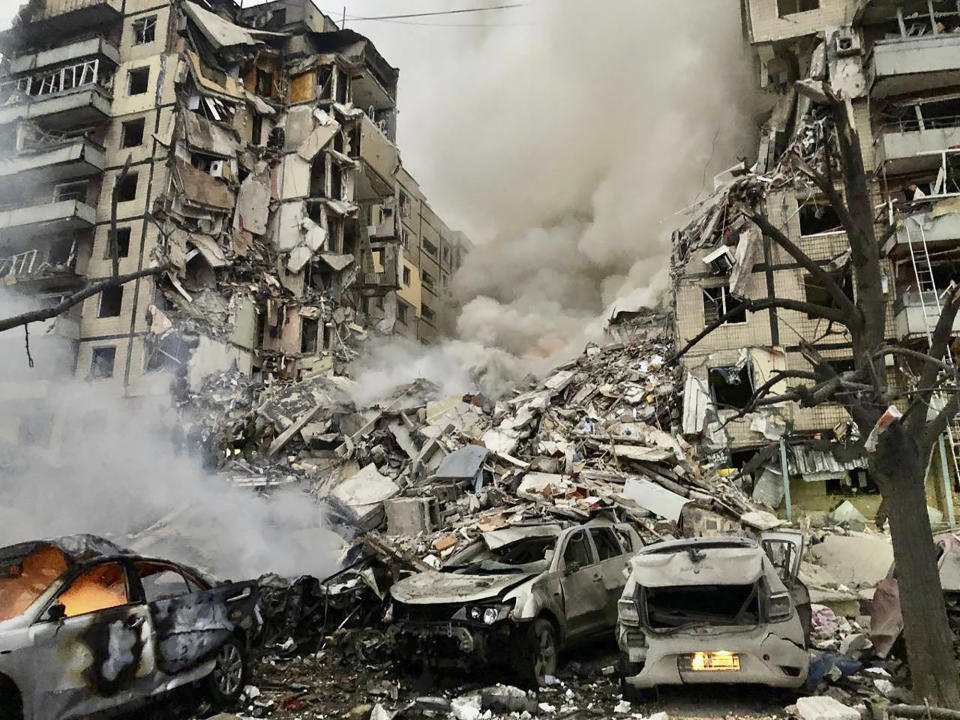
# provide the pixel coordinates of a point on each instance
(899, 64)
(253, 150)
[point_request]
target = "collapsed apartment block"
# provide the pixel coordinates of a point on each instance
(898, 63)
(254, 150)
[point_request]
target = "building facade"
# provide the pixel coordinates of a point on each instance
(897, 63)
(251, 150)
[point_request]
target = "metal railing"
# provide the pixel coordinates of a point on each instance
(914, 124)
(55, 82)
(37, 263)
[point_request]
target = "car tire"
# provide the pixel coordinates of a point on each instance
(540, 653)
(229, 676)
(636, 695)
(11, 704)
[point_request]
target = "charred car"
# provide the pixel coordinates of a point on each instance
(515, 598)
(715, 610)
(87, 628)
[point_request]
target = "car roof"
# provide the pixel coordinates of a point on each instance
(76, 548)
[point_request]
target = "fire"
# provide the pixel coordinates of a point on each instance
(101, 588)
(21, 584)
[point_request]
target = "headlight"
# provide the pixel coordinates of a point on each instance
(628, 612)
(780, 607)
(487, 614)
(476, 613)
(490, 616)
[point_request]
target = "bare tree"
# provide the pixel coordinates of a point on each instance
(899, 447)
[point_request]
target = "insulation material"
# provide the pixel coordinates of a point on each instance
(253, 205)
(317, 140)
(222, 33)
(655, 498)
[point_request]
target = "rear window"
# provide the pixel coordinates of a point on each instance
(674, 607)
(24, 579)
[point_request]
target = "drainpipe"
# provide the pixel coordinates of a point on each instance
(786, 479)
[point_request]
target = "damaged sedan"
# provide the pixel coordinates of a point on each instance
(516, 598)
(715, 610)
(86, 628)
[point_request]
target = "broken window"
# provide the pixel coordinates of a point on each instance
(792, 7)
(605, 540)
(341, 86)
(426, 278)
(131, 134)
(817, 294)
(309, 330)
(406, 276)
(670, 607)
(336, 182)
(427, 313)
(208, 163)
(717, 302)
(264, 83)
(325, 83)
(101, 364)
(577, 553)
(402, 312)
(405, 238)
(123, 244)
(145, 30)
(429, 247)
(404, 203)
(138, 80)
(111, 300)
(818, 217)
(127, 187)
(76, 190)
(731, 387)
(100, 588)
(160, 582)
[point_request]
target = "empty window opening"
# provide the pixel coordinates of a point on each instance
(404, 202)
(605, 540)
(70, 191)
(127, 187)
(132, 133)
(161, 582)
(208, 163)
(103, 587)
(426, 278)
(199, 273)
(336, 182)
(341, 86)
(429, 247)
(792, 7)
(427, 313)
(123, 244)
(717, 302)
(256, 132)
(264, 83)
(325, 83)
(318, 177)
(138, 80)
(406, 276)
(854, 482)
(577, 553)
(333, 235)
(309, 330)
(842, 365)
(671, 607)
(402, 313)
(101, 363)
(111, 300)
(145, 30)
(817, 218)
(817, 294)
(731, 387)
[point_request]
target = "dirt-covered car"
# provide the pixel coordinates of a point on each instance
(87, 628)
(515, 598)
(715, 610)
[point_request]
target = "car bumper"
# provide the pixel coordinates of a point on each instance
(765, 659)
(450, 644)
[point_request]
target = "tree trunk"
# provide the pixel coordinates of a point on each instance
(926, 631)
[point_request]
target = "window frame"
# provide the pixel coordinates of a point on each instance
(148, 23)
(68, 584)
(93, 361)
(142, 121)
(137, 72)
(100, 303)
(724, 302)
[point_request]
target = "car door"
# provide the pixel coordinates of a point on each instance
(93, 647)
(191, 619)
(581, 582)
(612, 563)
(785, 550)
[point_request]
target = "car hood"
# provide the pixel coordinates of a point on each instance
(429, 588)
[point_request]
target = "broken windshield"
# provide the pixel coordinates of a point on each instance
(529, 555)
(23, 579)
(670, 608)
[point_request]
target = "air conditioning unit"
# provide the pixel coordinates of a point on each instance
(847, 43)
(216, 168)
(721, 260)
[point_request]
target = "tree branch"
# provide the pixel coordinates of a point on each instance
(940, 344)
(936, 427)
(77, 298)
(828, 188)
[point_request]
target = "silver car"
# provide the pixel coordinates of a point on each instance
(87, 628)
(516, 598)
(715, 610)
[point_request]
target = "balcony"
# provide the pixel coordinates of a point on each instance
(380, 160)
(60, 18)
(65, 54)
(385, 274)
(904, 148)
(915, 64)
(74, 96)
(53, 269)
(914, 319)
(50, 219)
(939, 232)
(67, 160)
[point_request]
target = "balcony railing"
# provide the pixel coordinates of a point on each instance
(41, 266)
(55, 82)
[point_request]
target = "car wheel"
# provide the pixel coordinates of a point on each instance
(225, 684)
(540, 658)
(11, 704)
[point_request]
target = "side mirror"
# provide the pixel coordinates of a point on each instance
(57, 612)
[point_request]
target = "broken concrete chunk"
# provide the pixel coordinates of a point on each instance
(825, 708)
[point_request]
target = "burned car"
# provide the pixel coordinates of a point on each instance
(515, 598)
(715, 610)
(86, 627)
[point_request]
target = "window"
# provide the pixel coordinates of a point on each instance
(123, 244)
(405, 238)
(606, 543)
(426, 278)
(138, 80)
(817, 294)
(404, 205)
(341, 86)
(101, 366)
(70, 191)
(264, 84)
(111, 300)
(792, 7)
(127, 187)
(100, 588)
(577, 553)
(717, 302)
(309, 329)
(406, 276)
(427, 313)
(731, 387)
(207, 163)
(818, 217)
(429, 247)
(131, 134)
(402, 313)
(161, 582)
(145, 30)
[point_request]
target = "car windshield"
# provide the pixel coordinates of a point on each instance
(23, 579)
(529, 555)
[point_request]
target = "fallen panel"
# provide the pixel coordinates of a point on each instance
(658, 500)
